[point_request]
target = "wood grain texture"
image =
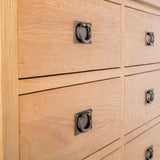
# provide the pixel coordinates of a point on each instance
(155, 3)
(9, 110)
(52, 82)
(45, 83)
(141, 69)
(141, 129)
(138, 3)
(116, 155)
(46, 42)
(105, 151)
(115, 1)
(1, 118)
(143, 5)
(136, 25)
(136, 148)
(137, 112)
(46, 47)
(122, 79)
(47, 121)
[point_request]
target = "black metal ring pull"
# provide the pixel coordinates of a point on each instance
(149, 96)
(83, 121)
(149, 153)
(149, 38)
(83, 32)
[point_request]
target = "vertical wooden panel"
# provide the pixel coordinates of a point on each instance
(1, 128)
(9, 111)
(122, 80)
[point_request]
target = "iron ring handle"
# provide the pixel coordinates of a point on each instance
(89, 124)
(149, 153)
(88, 29)
(150, 96)
(150, 38)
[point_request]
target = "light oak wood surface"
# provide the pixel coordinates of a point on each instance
(137, 23)
(46, 42)
(50, 115)
(52, 82)
(105, 151)
(143, 5)
(102, 76)
(9, 110)
(116, 155)
(155, 3)
(1, 113)
(137, 112)
(141, 129)
(136, 148)
(141, 69)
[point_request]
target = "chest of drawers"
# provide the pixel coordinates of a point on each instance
(80, 80)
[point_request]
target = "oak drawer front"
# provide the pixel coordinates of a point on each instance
(137, 23)
(137, 109)
(137, 148)
(46, 36)
(47, 121)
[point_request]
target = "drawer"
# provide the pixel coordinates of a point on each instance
(137, 23)
(47, 121)
(136, 149)
(137, 110)
(46, 36)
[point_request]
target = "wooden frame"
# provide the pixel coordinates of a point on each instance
(9, 109)
(11, 87)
